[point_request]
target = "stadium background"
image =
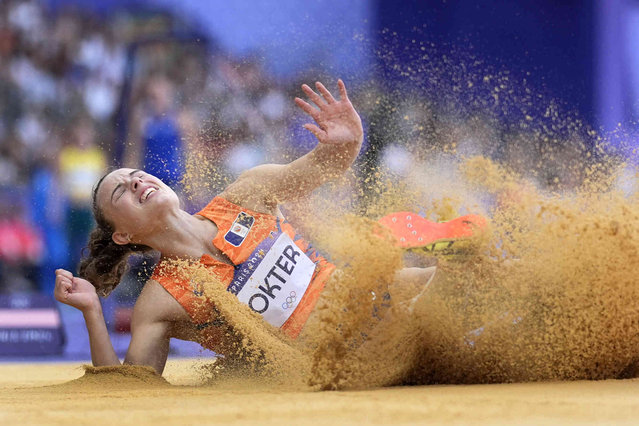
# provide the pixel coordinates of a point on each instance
(88, 85)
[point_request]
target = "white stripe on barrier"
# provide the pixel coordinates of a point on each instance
(22, 318)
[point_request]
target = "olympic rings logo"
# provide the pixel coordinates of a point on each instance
(290, 301)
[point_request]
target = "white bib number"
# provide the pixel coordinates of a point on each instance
(278, 282)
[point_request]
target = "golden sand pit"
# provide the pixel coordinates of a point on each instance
(49, 394)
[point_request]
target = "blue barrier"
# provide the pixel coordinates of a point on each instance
(30, 324)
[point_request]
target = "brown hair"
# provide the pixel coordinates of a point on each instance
(107, 261)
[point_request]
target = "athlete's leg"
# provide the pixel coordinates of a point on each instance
(410, 284)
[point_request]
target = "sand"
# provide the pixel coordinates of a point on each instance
(42, 394)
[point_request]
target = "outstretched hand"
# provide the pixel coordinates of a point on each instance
(74, 291)
(337, 122)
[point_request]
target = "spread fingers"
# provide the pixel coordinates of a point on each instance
(325, 93)
(307, 108)
(317, 99)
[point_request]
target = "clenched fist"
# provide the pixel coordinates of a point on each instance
(75, 291)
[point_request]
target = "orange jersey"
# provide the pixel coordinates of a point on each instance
(275, 272)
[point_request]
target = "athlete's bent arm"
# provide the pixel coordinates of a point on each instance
(339, 131)
(149, 326)
(81, 294)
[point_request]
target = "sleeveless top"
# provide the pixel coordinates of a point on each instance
(275, 271)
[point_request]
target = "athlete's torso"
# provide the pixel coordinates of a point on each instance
(262, 261)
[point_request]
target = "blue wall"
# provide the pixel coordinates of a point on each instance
(549, 43)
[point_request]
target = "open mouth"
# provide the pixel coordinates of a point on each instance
(147, 193)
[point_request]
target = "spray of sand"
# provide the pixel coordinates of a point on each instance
(547, 293)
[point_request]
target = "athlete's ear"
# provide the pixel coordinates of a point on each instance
(121, 238)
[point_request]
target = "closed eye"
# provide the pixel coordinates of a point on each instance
(121, 192)
(123, 187)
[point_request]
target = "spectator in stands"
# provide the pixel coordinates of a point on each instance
(48, 208)
(162, 148)
(21, 247)
(81, 162)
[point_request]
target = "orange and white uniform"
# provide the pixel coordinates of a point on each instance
(275, 272)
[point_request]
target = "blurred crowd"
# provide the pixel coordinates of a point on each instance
(59, 82)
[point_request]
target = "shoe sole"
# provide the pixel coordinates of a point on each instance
(415, 232)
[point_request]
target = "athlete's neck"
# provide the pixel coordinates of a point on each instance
(182, 235)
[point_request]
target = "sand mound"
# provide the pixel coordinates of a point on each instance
(117, 377)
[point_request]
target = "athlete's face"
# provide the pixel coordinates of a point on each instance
(134, 202)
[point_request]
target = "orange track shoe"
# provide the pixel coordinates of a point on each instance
(415, 232)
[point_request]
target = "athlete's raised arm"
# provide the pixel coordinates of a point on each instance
(338, 128)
